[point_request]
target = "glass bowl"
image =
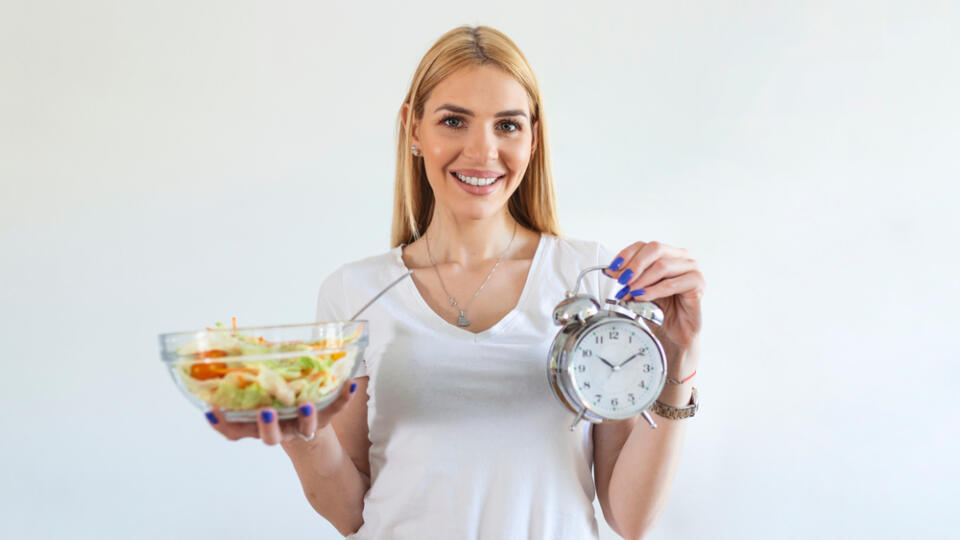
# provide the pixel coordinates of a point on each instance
(241, 370)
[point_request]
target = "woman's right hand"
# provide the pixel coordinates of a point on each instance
(272, 431)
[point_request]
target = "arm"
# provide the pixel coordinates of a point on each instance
(634, 468)
(334, 468)
(635, 465)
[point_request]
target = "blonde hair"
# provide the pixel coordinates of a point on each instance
(533, 204)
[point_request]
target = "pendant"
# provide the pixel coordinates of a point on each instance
(462, 320)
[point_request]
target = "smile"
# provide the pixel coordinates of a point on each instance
(476, 181)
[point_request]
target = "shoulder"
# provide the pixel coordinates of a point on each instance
(581, 251)
(354, 280)
(370, 270)
(570, 256)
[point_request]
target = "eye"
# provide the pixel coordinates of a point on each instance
(510, 126)
(454, 122)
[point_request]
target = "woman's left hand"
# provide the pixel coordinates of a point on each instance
(668, 277)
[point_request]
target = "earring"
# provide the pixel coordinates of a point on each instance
(416, 152)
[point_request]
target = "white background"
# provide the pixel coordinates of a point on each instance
(164, 165)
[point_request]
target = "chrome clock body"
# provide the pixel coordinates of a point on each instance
(606, 364)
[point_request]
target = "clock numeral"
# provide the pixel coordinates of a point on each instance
(631, 397)
(647, 368)
(581, 368)
(586, 384)
(587, 353)
(614, 402)
(630, 339)
(614, 334)
(643, 351)
(596, 398)
(599, 340)
(643, 384)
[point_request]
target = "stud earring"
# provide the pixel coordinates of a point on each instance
(415, 150)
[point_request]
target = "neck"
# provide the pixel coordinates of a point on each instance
(469, 242)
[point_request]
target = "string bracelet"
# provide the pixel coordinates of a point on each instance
(674, 381)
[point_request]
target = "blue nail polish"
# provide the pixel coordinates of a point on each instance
(623, 292)
(615, 265)
(625, 277)
(212, 417)
(353, 387)
(267, 416)
(306, 410)
(637, 292)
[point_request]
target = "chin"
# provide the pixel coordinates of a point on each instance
(478, 212)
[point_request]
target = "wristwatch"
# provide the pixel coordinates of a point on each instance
(677, 413)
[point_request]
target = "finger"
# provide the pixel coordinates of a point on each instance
(324, 416)
(231, 430)
(662, 268)
(690, 283)
(269, 426)
(617, 266)
(644, 257)
(307, 423)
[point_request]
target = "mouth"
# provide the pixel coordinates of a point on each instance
(481, 180)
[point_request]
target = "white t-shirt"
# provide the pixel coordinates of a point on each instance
(467, 439)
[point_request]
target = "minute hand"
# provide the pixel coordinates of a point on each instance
(627, 360)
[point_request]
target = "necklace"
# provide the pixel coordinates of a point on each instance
(462, 320)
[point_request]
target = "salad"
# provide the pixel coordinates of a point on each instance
(234, 371)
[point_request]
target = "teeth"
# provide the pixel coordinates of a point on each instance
(474, 181)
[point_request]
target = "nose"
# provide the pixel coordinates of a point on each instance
(481, 146)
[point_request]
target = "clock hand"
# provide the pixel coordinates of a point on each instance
(628, 359)
(604, 360)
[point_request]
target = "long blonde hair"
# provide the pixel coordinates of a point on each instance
(534, 203)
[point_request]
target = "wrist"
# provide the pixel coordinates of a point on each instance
(676, 395)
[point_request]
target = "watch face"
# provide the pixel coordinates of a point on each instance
(617, 369)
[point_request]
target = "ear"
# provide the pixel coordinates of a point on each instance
(404, 118)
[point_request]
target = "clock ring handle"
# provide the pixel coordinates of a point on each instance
(585, 271)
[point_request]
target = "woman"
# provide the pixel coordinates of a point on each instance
(455, 433)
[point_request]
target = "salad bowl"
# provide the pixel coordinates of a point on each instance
(241, 370)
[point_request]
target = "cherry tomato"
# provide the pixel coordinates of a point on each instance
(208, 370)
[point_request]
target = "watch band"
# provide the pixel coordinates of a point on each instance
(677, 413)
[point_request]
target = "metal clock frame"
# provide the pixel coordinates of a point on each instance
(582, 319)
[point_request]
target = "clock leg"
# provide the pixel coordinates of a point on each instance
(577, 421)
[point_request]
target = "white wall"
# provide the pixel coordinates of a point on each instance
(168, 164)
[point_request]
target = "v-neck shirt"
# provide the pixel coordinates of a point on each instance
(467, 438)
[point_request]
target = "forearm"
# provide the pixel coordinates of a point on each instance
(647, 463)
(330, 480)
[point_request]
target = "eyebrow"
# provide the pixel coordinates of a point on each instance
(461, 110)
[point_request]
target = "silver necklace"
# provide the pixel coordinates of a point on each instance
(462, 320)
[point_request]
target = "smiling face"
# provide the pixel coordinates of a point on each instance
(476, 139)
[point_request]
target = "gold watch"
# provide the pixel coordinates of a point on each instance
(677, 413)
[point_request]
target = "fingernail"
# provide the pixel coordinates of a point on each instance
(625, 276)
(615, 265)
(305, 410)
(267, 416)
(637, 292)
(212, 417)
(353, 387)
(623, 292)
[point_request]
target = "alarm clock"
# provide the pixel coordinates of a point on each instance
(605, 364)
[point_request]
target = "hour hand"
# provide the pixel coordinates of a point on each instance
(604, 360)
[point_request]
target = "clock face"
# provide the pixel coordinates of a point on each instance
(616, 368)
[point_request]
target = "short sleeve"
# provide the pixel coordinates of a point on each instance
(331, 306)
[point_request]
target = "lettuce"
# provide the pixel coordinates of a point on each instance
(231, 396)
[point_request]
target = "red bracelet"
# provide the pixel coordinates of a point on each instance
(674, 381)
